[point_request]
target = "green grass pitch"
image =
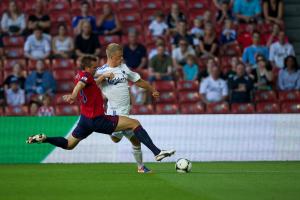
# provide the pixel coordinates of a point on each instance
(207, 181)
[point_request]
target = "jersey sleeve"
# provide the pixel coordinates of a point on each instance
(86, 78)
(132, 76)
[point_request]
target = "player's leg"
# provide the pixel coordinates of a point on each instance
(126, 123)
(137, 152)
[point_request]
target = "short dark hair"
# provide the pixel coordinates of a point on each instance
(86, 61)
(295, 66)
(84, 3)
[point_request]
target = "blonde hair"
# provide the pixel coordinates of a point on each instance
(112, 48)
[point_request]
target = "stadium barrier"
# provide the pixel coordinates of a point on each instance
(196, 137)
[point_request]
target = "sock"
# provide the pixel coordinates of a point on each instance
(144, 138)
(57, 141)
(138, 156)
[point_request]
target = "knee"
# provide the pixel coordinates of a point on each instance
(115, 139)
(135, 123)
(70, 147)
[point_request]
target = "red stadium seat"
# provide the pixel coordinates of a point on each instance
(1, 112)
(192, 108)
(64, 86)
(188, 85)
(63, 64)
(129, 16)
(196, 13)
(289, 96)
(188, 97)
(9, 63)
(166, 108)
(61, 5)
(197, 5)
(218, 108)
(105, 40)
(232, 50)
(265, 96)
(152, 5)
(16, 111)
(14, 52)
(144, 73)
(128, 6)
(61, 75)
(128, 26)
(142, 110)
(290, 107)
(32, 64)
(167, 97)
(164, 85)
(60, 16)
(181, 3)
(66, 110)
(13, 41)
(242, 108)
(148, 16)
(267, 107)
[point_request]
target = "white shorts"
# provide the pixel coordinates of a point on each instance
(122, 111)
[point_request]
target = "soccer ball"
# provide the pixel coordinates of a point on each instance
(183, 165)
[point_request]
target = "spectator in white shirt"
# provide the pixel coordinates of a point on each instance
(13, 21)
(180, 54)
(213, 88)
(15, 96)
(158, 26)
(62, 44)
(37, 45)
(289, 76)
(280, 50)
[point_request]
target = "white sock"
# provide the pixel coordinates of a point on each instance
(138, 155)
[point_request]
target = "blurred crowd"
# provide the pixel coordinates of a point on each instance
(232, 48)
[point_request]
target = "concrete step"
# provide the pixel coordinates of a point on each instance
(292, 9)
(292, 22)
(293, 35)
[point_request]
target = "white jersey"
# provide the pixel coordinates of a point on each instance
(116, 90)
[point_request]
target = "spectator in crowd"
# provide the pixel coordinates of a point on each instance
(85, 16)
(2, 97)
(228, 34)
(197, 30)
(174, 17)
(273, 36)
(109, 23)
(46, 109)
(247, 11)
(160, 66)
(245, 37)
(240, 86)
(158, 26)
(273, 11)
(218, 3)
(208, 44)
(208, 17)
(1, 48)
(213, 88)
(37, 45)
(159, 41)
(255, 49)
(87, 42)
(234, 61)
(181, 32)
(224, 12)
(39, 19)
(15, 96)
(280, 50)
(17, 73)
(262, 75)
(180, 54)
(13, 21)
(135, 54)
(190, 69)
(40, 81)
(62, 45)
(211, 62)
(289, 76)
(138, 95)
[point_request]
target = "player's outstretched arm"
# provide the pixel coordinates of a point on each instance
(102, 77)
(70, 98)
(146, 85)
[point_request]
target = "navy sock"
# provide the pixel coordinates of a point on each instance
(57, 141)
(144, 138)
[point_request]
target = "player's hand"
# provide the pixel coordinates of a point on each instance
(109, 75)
(68, 98)
(155, 94)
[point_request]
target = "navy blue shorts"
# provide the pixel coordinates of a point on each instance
(102, 124)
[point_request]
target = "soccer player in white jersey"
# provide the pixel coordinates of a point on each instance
(116, 90)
